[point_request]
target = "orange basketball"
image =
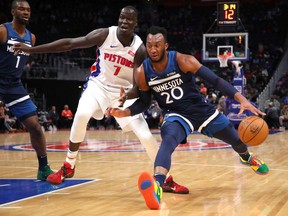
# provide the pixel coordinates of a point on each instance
(253, 130)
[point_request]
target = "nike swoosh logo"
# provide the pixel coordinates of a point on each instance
(173, 188)
(13, 39)
(113, 46)
(154, 78)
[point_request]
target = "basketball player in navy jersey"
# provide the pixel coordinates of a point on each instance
(12, 92)
(119, 52)
(170, 77)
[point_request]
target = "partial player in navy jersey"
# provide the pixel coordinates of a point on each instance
(12, 92)
(170, 77)
(119, 52)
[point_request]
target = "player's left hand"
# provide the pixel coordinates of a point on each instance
(116, 112)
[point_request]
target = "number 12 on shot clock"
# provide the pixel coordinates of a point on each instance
(227, 13)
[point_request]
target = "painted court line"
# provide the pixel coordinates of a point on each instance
(56, 191)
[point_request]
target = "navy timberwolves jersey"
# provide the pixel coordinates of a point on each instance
(11, 66)
(176, 92)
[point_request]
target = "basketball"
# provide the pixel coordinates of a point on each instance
(253, 130)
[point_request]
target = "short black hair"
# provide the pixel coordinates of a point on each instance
(156, 30)
(14, 2)
(130, 7)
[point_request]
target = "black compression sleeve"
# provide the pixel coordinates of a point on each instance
(141, 104)
(219, 83)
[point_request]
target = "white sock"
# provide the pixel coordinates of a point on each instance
(167, 176)
(71, 158)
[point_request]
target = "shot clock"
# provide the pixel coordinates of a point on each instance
(227, 13)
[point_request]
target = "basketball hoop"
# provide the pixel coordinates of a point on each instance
(223, 59)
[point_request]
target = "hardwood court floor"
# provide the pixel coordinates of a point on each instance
(218, 183)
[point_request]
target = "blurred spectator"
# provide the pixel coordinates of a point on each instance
(212, 98)
(110, 123)
(283, 119)
(44, 121)
(18, 125)
(103, 124)
(273, 100)
(54, 117)
(6, 122)
(285, 98)
(66, 117)
(222, 106)
(272, 116)
(279, 91)
(247, 94)
(203, 89)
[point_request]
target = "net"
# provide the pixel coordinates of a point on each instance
(223, 59)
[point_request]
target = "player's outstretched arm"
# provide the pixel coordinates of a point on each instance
(227, 89)
(93, 38)
(188, 63)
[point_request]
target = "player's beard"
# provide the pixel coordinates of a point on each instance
(161, 57)
(22, 21)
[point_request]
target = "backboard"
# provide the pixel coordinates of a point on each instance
(215, 44)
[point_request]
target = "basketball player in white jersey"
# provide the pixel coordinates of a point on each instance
(119, 52)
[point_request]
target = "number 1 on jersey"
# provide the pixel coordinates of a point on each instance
(18, 61)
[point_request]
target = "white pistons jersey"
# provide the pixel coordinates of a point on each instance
(114, 64)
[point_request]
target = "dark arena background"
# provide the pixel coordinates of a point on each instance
(48, 75)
